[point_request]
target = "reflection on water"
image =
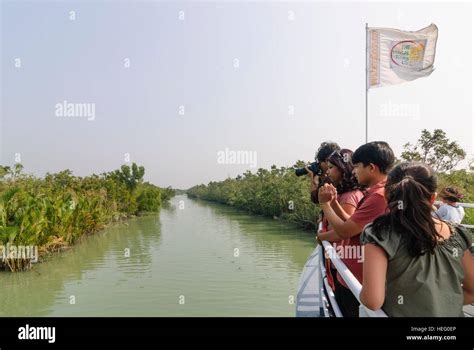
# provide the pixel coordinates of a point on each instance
(203, 260)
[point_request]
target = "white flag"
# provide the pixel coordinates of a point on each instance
(395, 56)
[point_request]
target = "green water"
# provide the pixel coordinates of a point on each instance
(201, 260)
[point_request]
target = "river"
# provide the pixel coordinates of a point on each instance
(193, 258)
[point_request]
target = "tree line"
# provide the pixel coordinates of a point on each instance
(277, 192)
(55, 211)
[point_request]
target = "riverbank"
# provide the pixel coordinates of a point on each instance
(278, 193)
(43, 216)
(274, 193)
(191, 259)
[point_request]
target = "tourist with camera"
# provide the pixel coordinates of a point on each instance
(349, 194)
(372, 162)
(317, 171)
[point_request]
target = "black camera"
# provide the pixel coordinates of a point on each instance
(314, 167)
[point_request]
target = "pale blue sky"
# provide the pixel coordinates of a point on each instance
(315, 63)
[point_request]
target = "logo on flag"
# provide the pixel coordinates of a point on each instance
(395, 56)
(407, 54)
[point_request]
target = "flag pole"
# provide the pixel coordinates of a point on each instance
(366, 84)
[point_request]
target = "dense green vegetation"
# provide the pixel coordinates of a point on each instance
(272, 192)
(55, 211)
(276, 193)
(444, 155)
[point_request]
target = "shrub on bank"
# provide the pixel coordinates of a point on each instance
(56, 211)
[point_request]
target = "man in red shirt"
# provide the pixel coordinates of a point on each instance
(372, 162)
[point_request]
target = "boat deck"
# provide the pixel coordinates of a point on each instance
(308, 298)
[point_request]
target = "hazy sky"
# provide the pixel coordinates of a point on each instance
(174, 83)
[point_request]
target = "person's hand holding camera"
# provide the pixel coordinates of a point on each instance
(314, 179)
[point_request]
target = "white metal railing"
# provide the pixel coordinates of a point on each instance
(325, 284)
(354, 285)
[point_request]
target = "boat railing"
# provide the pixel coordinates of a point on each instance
(464, 205)
(354, 285)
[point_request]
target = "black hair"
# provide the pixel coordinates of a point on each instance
(451, 194)
(325, 150)
(343, 161)
(378, 153)
(408, 190)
